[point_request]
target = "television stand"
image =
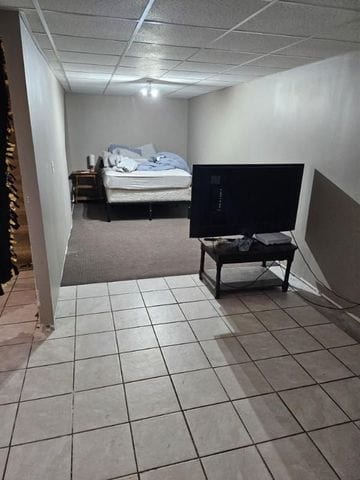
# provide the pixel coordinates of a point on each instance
(229, 252)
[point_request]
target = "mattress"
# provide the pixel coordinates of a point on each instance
(153, 180)
(117, 195)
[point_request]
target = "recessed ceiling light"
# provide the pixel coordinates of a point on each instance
(149, 90)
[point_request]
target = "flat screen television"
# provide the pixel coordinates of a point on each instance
(244, 199)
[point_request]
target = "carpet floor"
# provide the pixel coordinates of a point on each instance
(130, 246)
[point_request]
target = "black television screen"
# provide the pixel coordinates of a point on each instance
(244, 199)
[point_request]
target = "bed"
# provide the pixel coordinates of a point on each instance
(173, 185)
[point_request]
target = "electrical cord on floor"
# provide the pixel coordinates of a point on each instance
(355, 303)
(328, 307)
(248, 285)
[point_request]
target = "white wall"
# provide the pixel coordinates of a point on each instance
(311, 115)
(96, 121)
(46, 107)
(10, 33)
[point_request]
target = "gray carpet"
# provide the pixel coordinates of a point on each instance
(130, 246)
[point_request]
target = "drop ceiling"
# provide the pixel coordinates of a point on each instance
(187, 47)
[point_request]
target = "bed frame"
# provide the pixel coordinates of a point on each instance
(175, 195)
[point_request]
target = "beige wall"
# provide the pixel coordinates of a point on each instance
(38, 106)
(96, 121)
(10, 33)
(310, 114)
(47, 116)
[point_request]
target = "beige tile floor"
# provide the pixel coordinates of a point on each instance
(156, 380)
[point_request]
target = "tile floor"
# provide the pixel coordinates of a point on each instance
(156, 380)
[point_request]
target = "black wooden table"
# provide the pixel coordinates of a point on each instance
(225, 253)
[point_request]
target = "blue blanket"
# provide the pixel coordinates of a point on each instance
(164, 161)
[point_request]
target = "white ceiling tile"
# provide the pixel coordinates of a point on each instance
(178, 35)
(34, 21)
(148, 62)
(16, 4)
(296, 19)
(119, 93)
(202, 67)
(65, 86)
(193, 91)
(125, 78)
(234, 79)
(144, 72)
(216, 83)
(205, 13)
(88, 77)
(90, 58)
(134, 89)
(89, 45)
(150, 73)
(349, 32)
(221, 56)
(121, 70)
(166, 88)
(88, 81)
(87, 26)
(184, 77)
(281, 61)
(258, 71)
(121, 89)
(50, 55)
(180, 95)
(320, 48)
(109, 8)
(350, 4)
(59, 75)
(80, 67)
(55, 66)
(87, 85)
(253, 42)
(220, 80)
(160, 51)
(87, 89)
(43, 41)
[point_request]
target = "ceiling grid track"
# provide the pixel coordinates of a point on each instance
(132, 38)
(154, 46)
(248, 62)
(226, 33)
(298, 42)
(51, 40)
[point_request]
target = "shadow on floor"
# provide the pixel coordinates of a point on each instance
(134, 211)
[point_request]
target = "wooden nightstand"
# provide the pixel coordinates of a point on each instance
(86, 186)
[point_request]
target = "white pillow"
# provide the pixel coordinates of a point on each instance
(128, 153)
(148, 150)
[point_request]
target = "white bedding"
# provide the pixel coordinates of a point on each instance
(118, 195)
(144, 180)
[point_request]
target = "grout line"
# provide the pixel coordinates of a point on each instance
(214, 369)
(104, 427)
(228, 397)
(321, 428)
(178, 400)
(17, 411)
(125, 393)
(73, 395)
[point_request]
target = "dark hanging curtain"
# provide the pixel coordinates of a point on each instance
(8, 194)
